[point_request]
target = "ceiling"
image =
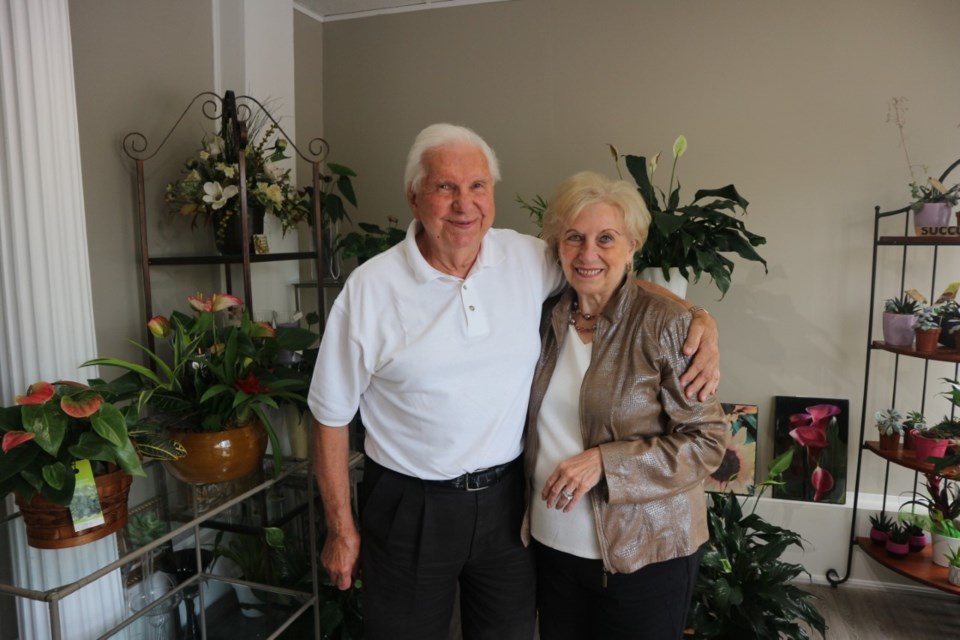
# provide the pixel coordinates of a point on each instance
(346, 9)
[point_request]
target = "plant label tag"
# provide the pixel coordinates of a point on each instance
(916, 296)
(85, 505)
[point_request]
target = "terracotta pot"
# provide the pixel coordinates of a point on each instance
(898, 329)
(50, 526)
(897, 549)
(927, 339)
(891, 442)
(931, 218)
(218, 456)
(928, 447)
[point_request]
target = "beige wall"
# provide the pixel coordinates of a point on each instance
(786, 100)
(137, 65)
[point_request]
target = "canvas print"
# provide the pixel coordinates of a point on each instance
(816, 429)
(738, 469)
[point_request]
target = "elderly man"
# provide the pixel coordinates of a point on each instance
(435, 340)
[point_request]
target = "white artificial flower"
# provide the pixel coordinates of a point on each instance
(217, 195)
(275, 172)
(213, 144)
(271, 192)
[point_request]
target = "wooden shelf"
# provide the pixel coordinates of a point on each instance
(922, 241)
(916, 566)
(908, 459)
(943, 354)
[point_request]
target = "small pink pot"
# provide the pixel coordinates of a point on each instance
(917, 543)
(878, 537)
(897, 549)
(928, 447)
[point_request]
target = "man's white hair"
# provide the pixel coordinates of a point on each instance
(443, 135)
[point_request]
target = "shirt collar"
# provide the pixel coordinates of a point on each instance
(491, 253)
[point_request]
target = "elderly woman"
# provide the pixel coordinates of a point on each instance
(615, 452)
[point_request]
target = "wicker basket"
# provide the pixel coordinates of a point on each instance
(50, 526)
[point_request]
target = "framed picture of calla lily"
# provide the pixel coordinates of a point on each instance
(737, 472)
(816, 429)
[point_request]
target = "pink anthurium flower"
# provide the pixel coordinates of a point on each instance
(822, 483)
(159, 326)
(216, 302)
(82, 405)
(13, 438)
(37, 393)
(262, 330)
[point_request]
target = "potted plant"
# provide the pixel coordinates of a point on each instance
(56, 429)
(890, 426)
(898, 321)
(953, 564)
(211, 387)
(949, 317)
(897, 545)
(932, 442)
(926, 327)
(879, 528)
(942, 506)
(691, 238)
(916, 537)
(370, 240)
(932, 205)
(914, 423)
(743, 557)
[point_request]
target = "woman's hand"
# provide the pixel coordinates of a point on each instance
(572, 479)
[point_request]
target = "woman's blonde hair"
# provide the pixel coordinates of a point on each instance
(586, 188)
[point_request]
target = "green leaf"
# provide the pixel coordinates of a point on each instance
(780, 464)
(637, 166)
(341, 170)
(55, 474)
(108, 422)
(47, 423)
(345, 186)
(91, 446)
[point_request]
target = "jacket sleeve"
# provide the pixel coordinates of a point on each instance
(689, 443)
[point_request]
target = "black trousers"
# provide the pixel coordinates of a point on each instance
(419, 540)
(648, 604)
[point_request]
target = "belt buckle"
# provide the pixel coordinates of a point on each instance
(467, 483)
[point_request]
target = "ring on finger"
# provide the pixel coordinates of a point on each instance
(566, 494)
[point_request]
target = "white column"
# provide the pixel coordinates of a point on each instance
(253, 43)
(46, 312)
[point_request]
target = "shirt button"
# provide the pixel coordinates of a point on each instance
(464, 287)
(472, 308)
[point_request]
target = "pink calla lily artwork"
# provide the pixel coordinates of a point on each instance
(816, 429)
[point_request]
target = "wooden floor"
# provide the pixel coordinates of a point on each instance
(862, 614)
(867, 614)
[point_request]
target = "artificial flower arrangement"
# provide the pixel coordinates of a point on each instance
(221, 369)
(208, 189)
(54, 425)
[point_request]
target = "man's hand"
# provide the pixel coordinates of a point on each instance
(340, 557)
(703, 343)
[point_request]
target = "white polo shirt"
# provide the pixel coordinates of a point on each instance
(440, 367)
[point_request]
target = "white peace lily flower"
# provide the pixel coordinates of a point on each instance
(275, 172)
(217, 195)
(213, 144)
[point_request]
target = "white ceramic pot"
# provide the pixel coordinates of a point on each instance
(676, 283)
(954, 576)
(898, 329)
(941, 547)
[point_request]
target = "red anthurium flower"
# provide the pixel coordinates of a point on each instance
(159, 326)
(250, 385)
(37, 393)
(822, 483)
(216, 302)
(13, 438)
(82, 405)
(262, 330)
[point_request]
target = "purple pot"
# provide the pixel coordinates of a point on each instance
(931, 218)
(878, 537)
(917, 543)
(898, 329)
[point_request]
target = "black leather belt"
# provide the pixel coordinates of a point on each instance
(478, 480)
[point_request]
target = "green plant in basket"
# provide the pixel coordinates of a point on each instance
(55, 425)
(743, 589)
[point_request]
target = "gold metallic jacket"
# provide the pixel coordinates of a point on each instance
(657, 445)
